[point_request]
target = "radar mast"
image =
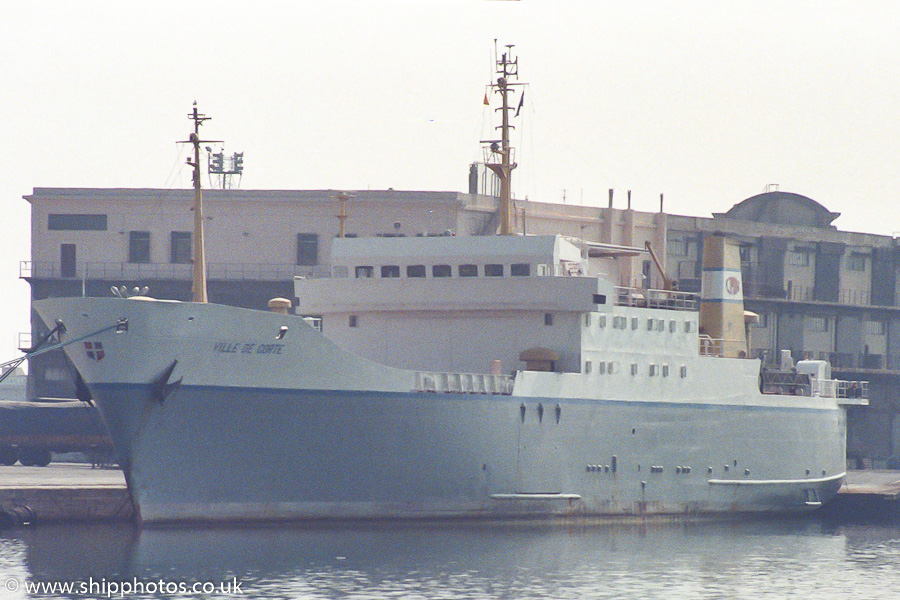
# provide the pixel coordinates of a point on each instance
(499, 152)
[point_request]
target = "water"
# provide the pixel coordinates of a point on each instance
(803, 558)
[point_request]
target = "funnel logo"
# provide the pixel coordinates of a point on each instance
(732, 285)
(94, 350)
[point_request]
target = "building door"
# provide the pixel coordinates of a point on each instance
(67, 260)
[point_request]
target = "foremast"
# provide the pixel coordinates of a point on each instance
(199, 246)
(507, 69)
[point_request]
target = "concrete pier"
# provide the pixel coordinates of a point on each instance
(65, 492)
(866, 495)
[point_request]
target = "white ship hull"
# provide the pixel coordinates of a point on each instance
(260, 428)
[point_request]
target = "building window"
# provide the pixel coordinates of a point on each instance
(76, 222)
(677, 247)
(468, 270)
(875, 327)
(352, 321)
(857, 262)
(390, 271)
(415, 271)
(798, 258)
(818, 324)
(307, 249)
(440, 271)
(548, 319)
(520, 270)
(181, 247)
(364, 272)
(139, 246)
(493, 270)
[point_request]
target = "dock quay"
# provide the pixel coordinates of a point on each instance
(868, 494)
(63, 492)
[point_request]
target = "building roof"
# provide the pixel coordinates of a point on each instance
(783, 208)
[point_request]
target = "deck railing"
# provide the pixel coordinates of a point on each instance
(116, 271)
(668, 299)
(463, 383)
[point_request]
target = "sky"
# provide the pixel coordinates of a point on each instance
(706, 102)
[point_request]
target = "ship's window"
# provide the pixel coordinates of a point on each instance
(339, 272)
(601, 368)
(390, 271)
(601, 321)
(587, 366)
(634, 322)
(415, 271)
(599, 298)
(440, 271)
(307, 249)
(612, 368)
(76, 222)
(650, 324)
(353, 321)
(672, 326)
(683, 371)
(67, 260)
(660, 325)
(520, 270)
(468, 270)
(138, 246)
(665, 370)
(365, 272)
(587, 320)
(688, 326)
(493, 270)
(548, 319)
(634, 369)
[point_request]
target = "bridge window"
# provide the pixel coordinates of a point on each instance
(548, 319)
(468, 270)
(493, 270)
(365, 272)
(415, 271)
(440, 271)
(76, 222)
(390, 271)
(520, 270)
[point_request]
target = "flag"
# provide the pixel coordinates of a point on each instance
(486, 103)
(521, 102)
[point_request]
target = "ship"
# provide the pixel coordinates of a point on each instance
(452, 376)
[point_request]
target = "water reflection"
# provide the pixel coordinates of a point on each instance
(759, 559)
